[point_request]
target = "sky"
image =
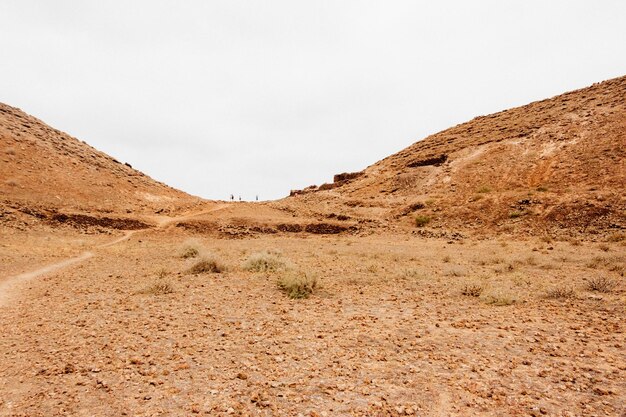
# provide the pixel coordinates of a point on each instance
(259, 97)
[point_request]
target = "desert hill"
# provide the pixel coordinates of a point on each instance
(552, 166)
(43, 171)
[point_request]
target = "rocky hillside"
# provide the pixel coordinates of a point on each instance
(552, 166)
(43, 170)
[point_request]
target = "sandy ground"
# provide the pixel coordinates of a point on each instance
(388, 332)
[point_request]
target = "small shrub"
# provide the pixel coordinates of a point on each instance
(472, 290)
(297, 284)
(266, 261)
(560, 293)
(421, 221)
(499, 299)
(455, 271)
(542, 188)
(413, 274)
(603, 247)
(515, 214)
(616, 237)
(190, 249)
(206, 265)
(546, 239)
(484, 189)
(601, 284)
(189, 252)
(447, 258)
(158, 288)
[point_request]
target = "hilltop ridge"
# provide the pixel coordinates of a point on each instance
(555, 165)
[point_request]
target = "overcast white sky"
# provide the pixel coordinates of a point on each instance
(260, 97)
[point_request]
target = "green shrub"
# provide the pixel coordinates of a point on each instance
(421, 221)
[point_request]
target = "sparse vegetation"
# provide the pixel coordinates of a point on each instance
(413, 274)
(560, 293)
(542, 188)
(613, 264)
(421, 221)
(206, 264)
(515, 214)
(616, 237)
(472, 290)
(158, 288)
(266, 261)
(499, 299)
(297, 284)
(191, 249)
(601, 284)
(484, 189)
(455, 271)
(603, 247)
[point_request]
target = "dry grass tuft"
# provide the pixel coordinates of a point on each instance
(617, 237)
(455, 271)
(207, 264)
(413, 274)
(297, 284)
(158, 288)
(266, 261)
(499, 298)
(601, 284)
(472, 290)
(190, 249)
(560, 293)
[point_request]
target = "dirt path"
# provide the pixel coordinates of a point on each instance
(9, 286)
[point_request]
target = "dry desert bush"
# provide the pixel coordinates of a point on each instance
(560, 293)
(617, 237)
(297, 284)
(266, 261)
(190, 249)
(500, 297)
(455, 271)
(159, 288)
(472, 290)
(601, 284)
(207, 264)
